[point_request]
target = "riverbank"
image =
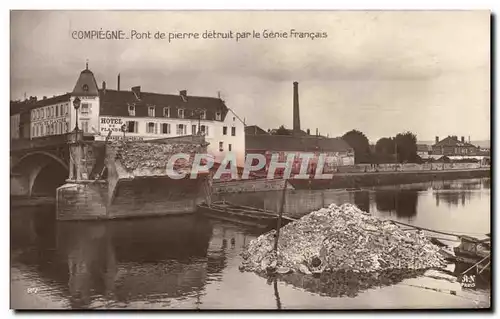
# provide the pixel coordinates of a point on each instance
(358, 180)
(349, 180)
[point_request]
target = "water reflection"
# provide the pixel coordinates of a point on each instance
(120, 261)
(402, 203)
(346, 283)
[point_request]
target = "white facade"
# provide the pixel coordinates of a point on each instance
(88, 114)
(228, 139)
(50, 120)
(230, 134)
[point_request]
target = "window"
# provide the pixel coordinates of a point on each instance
(57, 110)
(85, 126)
(224, 130)
(229, 147)
(203, 114)
(180, 113)
(151, 128)
(233, 131)
(52, 112)
(221, 146)
(61, 127)
(66, 108)
(193, 129)
(218, 116)
(131, 126)
(204, 129)
(166, 112)
(165, 128)
(151, 111)
(131, 110)
(181, 129)
(85, 109)
(67, 124)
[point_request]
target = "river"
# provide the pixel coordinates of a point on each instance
(190, 262)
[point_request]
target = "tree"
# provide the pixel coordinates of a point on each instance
(406, 147)
(359, 142)
(282, 131)
(385, 151)
(386, 146)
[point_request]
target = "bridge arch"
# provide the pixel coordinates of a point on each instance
(39, 173)
(40, 153)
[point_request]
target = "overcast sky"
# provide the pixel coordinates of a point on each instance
(378, 72)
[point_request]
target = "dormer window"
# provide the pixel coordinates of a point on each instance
(151, 111)
(203, 114)
(166, 112)
(85, 87)
(180, 113)
(131, 110)
(218, 116)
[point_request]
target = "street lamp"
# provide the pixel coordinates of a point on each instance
(76, 105)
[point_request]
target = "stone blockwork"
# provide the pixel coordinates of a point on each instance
(81, 200)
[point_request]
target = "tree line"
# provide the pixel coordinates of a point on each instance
(401, 148)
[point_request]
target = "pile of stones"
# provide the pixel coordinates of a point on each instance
(153, 155)
(341, 238)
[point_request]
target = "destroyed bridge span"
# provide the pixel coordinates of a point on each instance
(103, 180)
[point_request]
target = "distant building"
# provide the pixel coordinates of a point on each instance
(336, 149)
(452, 146)
(423, 150)
(254, 130)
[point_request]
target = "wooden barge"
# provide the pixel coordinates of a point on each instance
(243, 215)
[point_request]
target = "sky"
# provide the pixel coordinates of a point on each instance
(380, 72)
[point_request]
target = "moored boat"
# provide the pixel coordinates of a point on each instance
(243, 215)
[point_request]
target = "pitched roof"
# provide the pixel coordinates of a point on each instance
(116, 103)
(294, 143)
(17, 107)
(254, 130)
(452, 141)
(86, 84)
(423, 148)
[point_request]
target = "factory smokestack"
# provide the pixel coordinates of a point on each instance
(296, 113)
(118, 86)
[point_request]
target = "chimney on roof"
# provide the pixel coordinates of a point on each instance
(296, 114)
(317, 132)
(104, 86)
(462, 139)
(308, 132)
(44, 97)
(118, 85)
(437, 139)
(137, 91)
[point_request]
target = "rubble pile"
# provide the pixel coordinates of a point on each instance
(153, 155)
(341, 238)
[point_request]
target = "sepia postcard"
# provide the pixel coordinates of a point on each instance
(239, 160)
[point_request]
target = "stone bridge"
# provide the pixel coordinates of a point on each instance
(38, 167)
